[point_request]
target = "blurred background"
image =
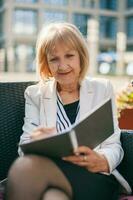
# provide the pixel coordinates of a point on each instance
(107, 26)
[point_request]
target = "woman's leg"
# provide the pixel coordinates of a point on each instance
(31, 176)
(55, 194)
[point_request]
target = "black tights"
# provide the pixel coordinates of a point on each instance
(37, 178)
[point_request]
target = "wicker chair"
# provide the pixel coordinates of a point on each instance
(11, 121)
(126, 166)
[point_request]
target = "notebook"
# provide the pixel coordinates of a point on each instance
(96, 127)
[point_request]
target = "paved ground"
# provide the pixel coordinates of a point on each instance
(118, 82)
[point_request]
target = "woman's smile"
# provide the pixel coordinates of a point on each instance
(64, 73)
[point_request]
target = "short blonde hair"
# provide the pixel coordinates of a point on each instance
(60, 32)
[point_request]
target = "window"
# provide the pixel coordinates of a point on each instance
(24, 57)
(129, 47)
(26, 1)
(51, 16)
(109, 4)
(1, 3)
(87, 3)
(107, 59)
(129, 3)
(108, 27)
(1, 24)
(56, 2)
(80, 20)
(25, 22)
(2, 59)
(129, 27)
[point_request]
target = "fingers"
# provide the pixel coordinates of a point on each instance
(88, 158)
(81, 160)
(42, 132)
(83, 150)
(82, 156)
(46, 130)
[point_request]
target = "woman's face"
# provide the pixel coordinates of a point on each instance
(64, 64)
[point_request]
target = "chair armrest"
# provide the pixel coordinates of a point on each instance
(126, 166)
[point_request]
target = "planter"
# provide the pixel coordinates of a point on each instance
(126, 119)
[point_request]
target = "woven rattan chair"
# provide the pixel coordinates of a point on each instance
(11, 121)
(126, 166)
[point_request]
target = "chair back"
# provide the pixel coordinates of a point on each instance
(11, 122)
(126, 166)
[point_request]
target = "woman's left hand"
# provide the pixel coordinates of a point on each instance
(88, 158)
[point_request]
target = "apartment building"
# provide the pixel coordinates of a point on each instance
(20, 21)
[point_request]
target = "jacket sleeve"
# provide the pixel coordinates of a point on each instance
(31, 119)
(111, 148)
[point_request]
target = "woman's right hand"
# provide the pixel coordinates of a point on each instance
(41, 132)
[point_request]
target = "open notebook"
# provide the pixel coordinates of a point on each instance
(96, 127)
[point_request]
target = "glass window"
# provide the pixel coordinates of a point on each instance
(25, 22)
(24, 57)
(129, 27)
(129, 68)
(129, 47)
(26, 1)
(109, 4)
(87, 3)
(1, 23)
(108, 27)
(107, 59)
(51, 16)
(1, 3)
(56, 2)
(2, 59)
(80, 20)
(129, 3)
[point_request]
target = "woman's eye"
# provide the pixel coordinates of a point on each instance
(69, 55)
(53, 59)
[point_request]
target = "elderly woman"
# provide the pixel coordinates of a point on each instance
(62, 97)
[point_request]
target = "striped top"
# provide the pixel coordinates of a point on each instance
(66, 114)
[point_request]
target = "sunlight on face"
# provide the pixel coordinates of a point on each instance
(64, 64)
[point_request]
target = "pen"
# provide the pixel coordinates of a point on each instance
(34, 124)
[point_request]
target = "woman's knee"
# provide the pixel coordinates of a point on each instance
(55, 194)
(25, 167)
(20, 165)
(39, 172)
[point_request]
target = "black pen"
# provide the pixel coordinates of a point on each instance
(34, 124)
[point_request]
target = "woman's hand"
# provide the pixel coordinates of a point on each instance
(88, 158)
(41, 132)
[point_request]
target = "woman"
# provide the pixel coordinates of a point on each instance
(63, 96)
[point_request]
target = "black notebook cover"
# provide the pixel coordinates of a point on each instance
(91, 131)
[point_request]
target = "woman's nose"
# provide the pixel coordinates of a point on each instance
(62, 64)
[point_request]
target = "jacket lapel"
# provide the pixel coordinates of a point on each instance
(86, 98)
(50, 104)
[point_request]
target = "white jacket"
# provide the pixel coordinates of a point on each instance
(40, 110)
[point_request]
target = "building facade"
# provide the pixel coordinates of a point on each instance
(20, 21)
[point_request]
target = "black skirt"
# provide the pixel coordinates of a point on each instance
(87, 185)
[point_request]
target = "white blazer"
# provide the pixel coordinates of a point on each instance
(41, 108)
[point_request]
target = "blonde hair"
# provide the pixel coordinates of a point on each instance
(60, 32)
